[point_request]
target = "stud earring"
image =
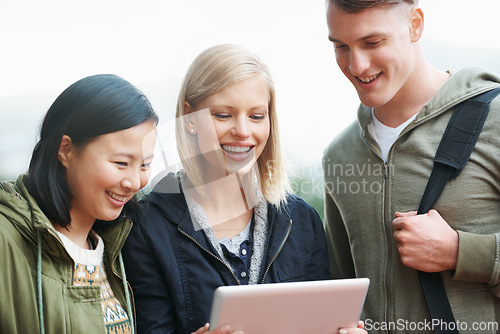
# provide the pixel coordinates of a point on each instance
(191, 130)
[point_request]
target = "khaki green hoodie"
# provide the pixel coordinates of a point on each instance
(363, 192)
(66, 308)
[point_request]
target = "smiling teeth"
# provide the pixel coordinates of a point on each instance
(369, 79)
(117, 197)
(236, 149)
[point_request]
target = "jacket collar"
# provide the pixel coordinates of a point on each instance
(28, 218)
(171, 203)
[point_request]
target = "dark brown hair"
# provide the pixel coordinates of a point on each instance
(90, 107)
(357, 6)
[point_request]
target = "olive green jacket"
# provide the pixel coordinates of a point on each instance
(363, 193)
(66, 308)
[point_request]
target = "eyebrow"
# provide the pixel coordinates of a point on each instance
(264, 106)
(364, 38)
(220, 106)
(331, 39)
(130, 156)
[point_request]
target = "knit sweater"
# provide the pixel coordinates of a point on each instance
(89, 270)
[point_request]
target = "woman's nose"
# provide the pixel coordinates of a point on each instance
(241, 129)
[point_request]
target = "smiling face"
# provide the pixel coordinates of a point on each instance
(235, 127)
(374, 49)
(106, 173)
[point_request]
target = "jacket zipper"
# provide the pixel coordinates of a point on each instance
(277, 253)
(388, 278)
(386, 203)
(384, 214)
(373, 148)
(208, 252)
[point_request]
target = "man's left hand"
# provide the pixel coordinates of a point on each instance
(425, 242)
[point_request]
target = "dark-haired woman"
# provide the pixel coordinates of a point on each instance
(62, 225)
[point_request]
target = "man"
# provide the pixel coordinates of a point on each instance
(377, 169)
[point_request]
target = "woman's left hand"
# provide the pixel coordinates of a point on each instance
(358, 330)
(224, 329)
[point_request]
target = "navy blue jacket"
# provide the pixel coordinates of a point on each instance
(174, 269)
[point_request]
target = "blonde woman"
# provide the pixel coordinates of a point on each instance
(229, 217)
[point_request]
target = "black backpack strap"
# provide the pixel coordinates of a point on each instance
(452, 155)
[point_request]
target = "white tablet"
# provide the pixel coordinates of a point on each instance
(294, 308)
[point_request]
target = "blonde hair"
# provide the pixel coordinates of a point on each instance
(215, 69)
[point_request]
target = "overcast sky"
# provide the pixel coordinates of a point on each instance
(47, 45)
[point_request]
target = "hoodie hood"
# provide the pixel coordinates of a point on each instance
(462, 85)
(21, 209)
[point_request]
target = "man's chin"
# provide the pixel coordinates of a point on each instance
(371, 101)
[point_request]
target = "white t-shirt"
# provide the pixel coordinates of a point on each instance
(385, 135)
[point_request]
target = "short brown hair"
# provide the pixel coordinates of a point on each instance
(357, 6)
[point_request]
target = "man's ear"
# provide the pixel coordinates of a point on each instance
(65, 150)
(189, 119)
(416, 24)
